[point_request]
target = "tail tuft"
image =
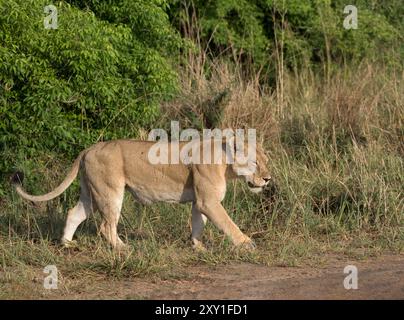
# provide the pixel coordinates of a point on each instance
(17, 178)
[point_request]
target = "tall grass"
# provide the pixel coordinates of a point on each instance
(335, 148)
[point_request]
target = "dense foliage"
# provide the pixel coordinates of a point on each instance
(89, 79)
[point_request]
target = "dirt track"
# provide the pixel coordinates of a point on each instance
(378, 278)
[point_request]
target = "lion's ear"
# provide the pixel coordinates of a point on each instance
(229, 147)
(236, 146)
(232, 143)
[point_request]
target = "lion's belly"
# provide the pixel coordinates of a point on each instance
(145, 195)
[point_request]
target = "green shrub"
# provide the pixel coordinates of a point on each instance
(90, 79)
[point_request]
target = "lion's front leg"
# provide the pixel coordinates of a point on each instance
(218, 215)
(209, 194)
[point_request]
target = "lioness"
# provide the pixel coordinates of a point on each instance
(107, 168)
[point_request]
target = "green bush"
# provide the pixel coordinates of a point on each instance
(90, 79)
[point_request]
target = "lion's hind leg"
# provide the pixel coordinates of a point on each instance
(77, 214)
(110, 207)
(198, 224)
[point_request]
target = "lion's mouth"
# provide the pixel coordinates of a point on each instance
(253, 185)
(254, 188)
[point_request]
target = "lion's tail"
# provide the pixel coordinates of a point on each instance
(18, 177)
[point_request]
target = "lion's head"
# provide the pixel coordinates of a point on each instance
(252, 166)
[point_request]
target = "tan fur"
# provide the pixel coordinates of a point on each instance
(107, 168)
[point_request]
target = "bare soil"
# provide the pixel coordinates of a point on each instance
(378, 278)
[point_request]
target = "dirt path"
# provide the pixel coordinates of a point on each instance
(378, 278)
